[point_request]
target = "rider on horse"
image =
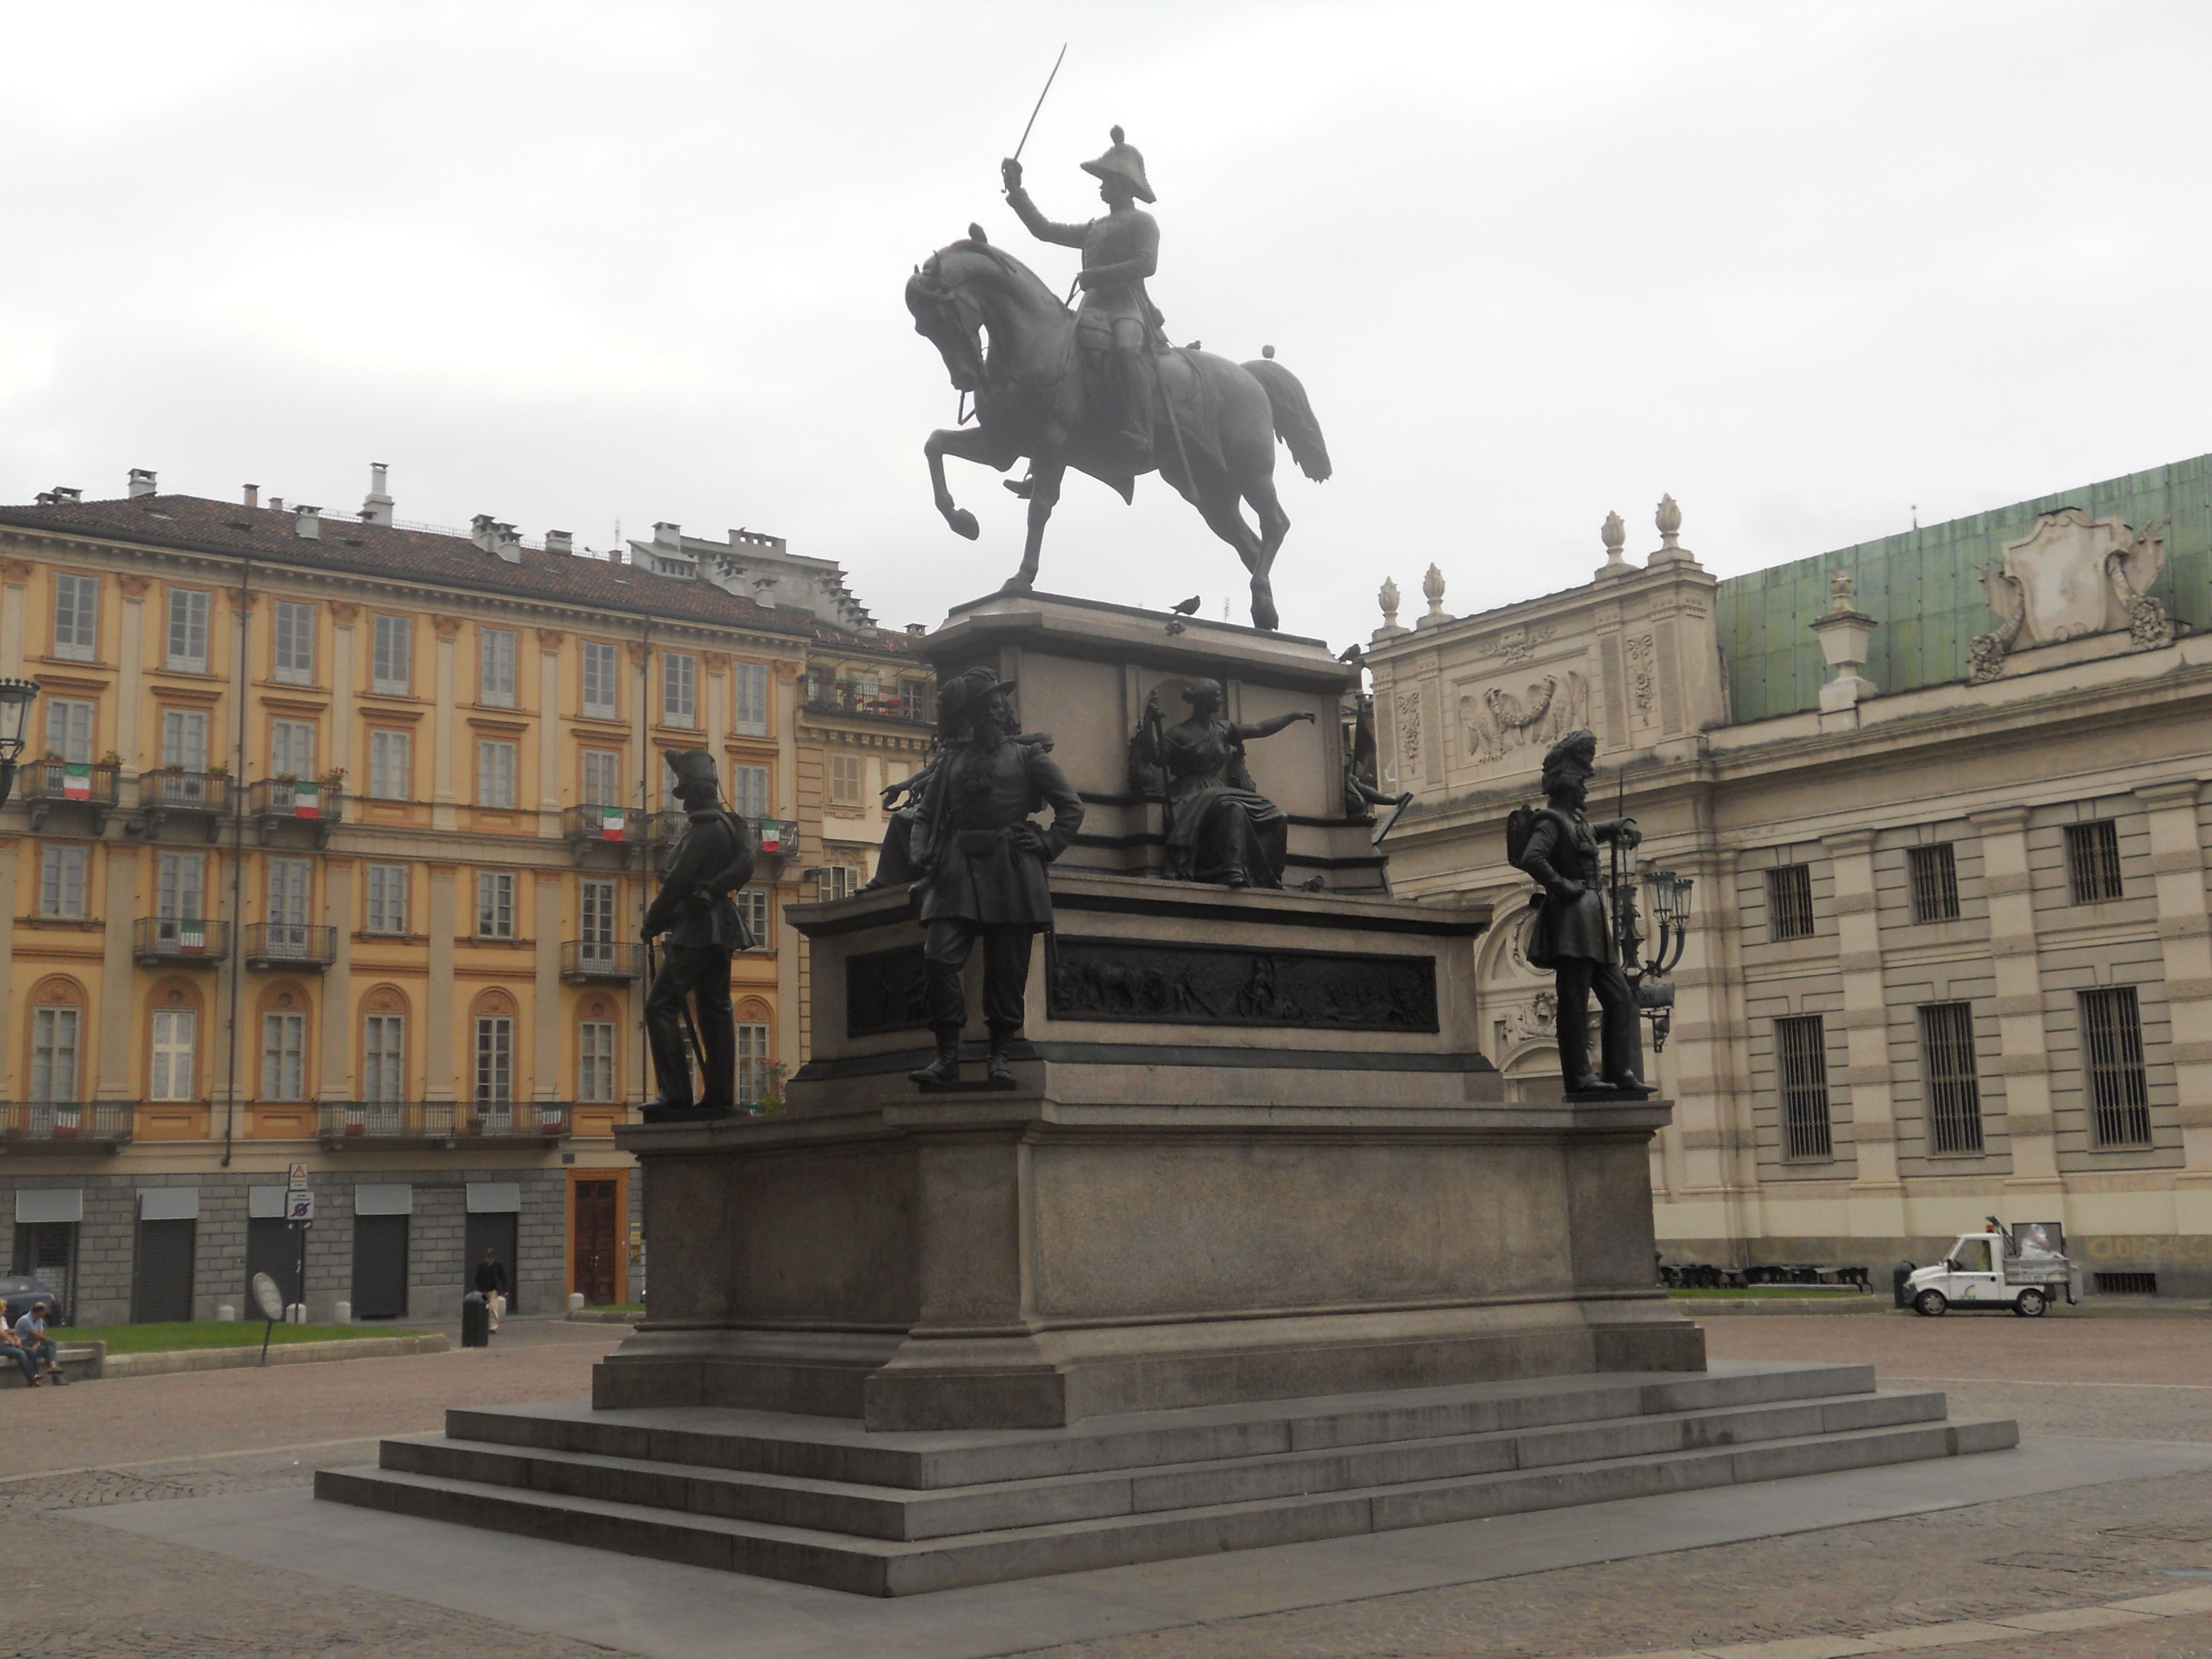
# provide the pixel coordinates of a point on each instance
(1116, 323)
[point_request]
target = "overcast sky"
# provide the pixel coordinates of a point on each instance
(1802, 265)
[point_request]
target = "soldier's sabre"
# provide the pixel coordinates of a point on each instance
(683, 1012)
(1049, 80)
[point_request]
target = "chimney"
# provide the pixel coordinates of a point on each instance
(669, 535)
(308, 523)
(254, 495)
(376, 508)
(495, 538)
(916, 630)
(276, 503)
(560, 541)
(764, 593)
(614, 553)
(141, 482)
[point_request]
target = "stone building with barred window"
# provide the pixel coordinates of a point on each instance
(1944, 801)
(329, 848)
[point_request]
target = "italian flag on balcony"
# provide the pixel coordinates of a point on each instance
(77, 781)
(306, 799)
(192, 936)
(771, 836)
(611, 824)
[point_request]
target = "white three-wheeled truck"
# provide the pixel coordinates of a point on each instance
(2025, 1270)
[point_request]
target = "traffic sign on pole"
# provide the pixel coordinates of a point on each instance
(300, 1206)
(299, 1181)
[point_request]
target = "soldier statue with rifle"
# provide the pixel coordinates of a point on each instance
(695, 911)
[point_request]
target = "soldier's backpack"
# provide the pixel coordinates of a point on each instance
(1520, 826)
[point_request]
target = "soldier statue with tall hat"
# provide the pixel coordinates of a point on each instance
(983, 864)
(697, 912)
(1115, 325)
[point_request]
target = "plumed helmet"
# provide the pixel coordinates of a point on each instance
(1573, 758)
(957, 697)
(1122, 160)
(693, 768)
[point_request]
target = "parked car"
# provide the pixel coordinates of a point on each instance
(19, 1291)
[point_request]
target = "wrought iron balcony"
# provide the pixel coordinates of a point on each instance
(585, 961)
(836, 700)
(174, 790)
(64, 1126)
(443, 1122)
(316, 805)
(290, 944)
(46, 785)
(172, 941)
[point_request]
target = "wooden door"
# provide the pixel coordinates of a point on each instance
(596, 1240)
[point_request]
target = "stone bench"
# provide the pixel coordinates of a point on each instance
(81, 1361)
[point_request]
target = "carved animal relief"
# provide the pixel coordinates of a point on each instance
(1501, 720)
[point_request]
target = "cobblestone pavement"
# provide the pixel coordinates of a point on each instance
(1811, 1595)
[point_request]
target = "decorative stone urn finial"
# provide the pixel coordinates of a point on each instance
(1840, 588)
(1668, 517)
(1433, 585)
(1387, 599)
(1614, 535)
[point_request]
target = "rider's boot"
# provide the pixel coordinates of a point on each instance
(1020, 488)
(1135, 383)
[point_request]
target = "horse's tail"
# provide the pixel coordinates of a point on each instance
(1294, 417)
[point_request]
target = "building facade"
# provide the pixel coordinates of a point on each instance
(1943, 799)
(330, 847)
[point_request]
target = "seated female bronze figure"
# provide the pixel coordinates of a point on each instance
(1220, 829)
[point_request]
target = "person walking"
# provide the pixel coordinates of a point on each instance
(492, 1285)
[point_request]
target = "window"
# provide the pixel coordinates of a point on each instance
(188, 629)
(184, 738)
(1801, 1064)
(291, 748)
(385, 908)
(76, 616)
(837, 881)
(845, 781)
(495, 904)
(496, 774)
(1789, 901)
(1954, 1095)
(753, 906)
(391, 662)
(679, 689)
(749, 791)
(295, 643)
(913, 700)
(2092, 860)
(596, 944)
(69, 729)
(176, 1033)
(1935, 875)
(61, 881)
(283, 1055)
(2112, 1055)
(595, 1059)
(495, 675)
(752, 1065)
(55, 1033)
(180, 887)
(383, 1057)
(290, 883)
(602, 777)
(1973, 1256)
(751, 684)
(495, 1059)
(602, 682)
(392, 764)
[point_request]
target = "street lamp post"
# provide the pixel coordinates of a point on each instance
(1668, 895)
(15, 699)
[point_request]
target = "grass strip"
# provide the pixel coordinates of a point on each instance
(212, 1334)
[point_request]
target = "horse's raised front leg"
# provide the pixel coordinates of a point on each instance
(1044, 494)
(966, 443)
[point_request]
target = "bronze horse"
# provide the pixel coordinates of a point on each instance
(1215, 423)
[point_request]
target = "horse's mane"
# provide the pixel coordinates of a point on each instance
(1014, 269)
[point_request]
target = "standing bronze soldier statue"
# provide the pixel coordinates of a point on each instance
(696, 911)
(1116, 326)
(1572, 935)
(982, 865)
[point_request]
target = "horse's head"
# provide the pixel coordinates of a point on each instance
(975, 303)
(946, 315)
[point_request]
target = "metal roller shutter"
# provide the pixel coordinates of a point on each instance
(162, 1282)
(380, 1267)
(272, 1248)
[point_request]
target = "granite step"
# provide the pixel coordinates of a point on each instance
(878, 1567)
(910, 1514)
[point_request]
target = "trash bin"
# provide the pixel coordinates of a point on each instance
(1897, 1275)
(476, 1321)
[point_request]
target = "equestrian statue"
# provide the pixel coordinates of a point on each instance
(1098, 388)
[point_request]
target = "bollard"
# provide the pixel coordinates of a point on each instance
(225, 1313)
(476, 1321)
(342, 1314)
(1897, 1275)
(575, 1301)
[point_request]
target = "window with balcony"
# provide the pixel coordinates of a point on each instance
(76, 616)
(391, 765)
(391, 665)
(290, 883)
(2112, 1056)
(845, 781)
(602, 680)
(56, 1034)
(1801, 1064)
(749, 791)
(292, 749)
(385, 910)
(188, 629)
(749, 680)
(175, 1044)
(495, 1060)
(180, 887)
(595, 1060)
(496, 774)
(1935, 873)
(283, 1055)
(69, 729)
(184, 738)
(496, 667)
(595, 947)
(1948, 1066)
(383, 1058)
(1789, 901)
(601, 777)
(62, 881)
(753, 1076)
(294, 656)
(679, 689)
(2093, 861)
(495, 904)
